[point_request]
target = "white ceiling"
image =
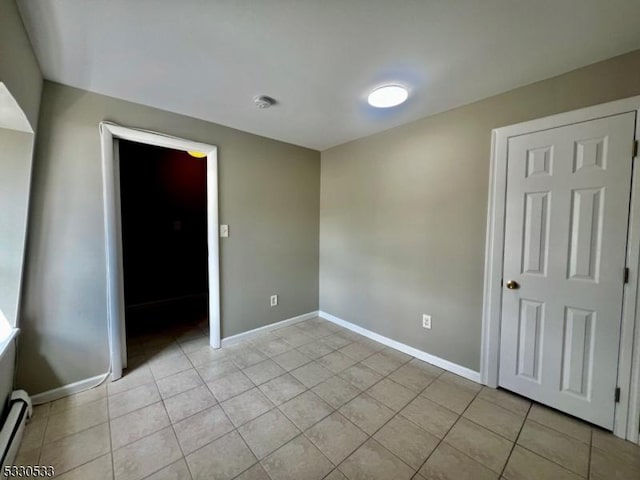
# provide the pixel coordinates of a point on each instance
(319, 58)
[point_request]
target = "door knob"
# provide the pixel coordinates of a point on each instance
(513, 285)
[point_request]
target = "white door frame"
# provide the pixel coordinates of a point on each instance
(109, 134)
(627, 411)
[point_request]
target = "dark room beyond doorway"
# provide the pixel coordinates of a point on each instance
(163, 197)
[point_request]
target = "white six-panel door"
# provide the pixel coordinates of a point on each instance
(566, 222)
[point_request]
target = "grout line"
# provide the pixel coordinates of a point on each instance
(450, 428)
(515, 442)
(590, 453)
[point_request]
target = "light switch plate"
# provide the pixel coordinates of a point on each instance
(224, 230)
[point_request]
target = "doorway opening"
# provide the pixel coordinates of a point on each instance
(174, 287)
(163, 206)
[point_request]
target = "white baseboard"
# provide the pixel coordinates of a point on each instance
(274, 326)
(414, 352)
(66, 390)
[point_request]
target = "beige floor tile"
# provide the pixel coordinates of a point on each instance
(76, 419)
(336, 475)
(194, 344)
(508, 400)
(607, 466)
(412, 377)
(99, 469)
(294, 336)
(560, 422)
(429, 415)
(176, 471)
(361, 376)
(367, 413)
(254, 473)
(146, 456)
(311, 374)
(383, 363)
(41, 411)
(336, 362)
(315, 350)
(447, 463)
(77, 399)
(33, 435)
(358, 351)
(336, 341)
(557, 447)
(291, 360)
(523, 464)
(274, 346)
(76, 449)
(217, 369)
(282, 388)
(306, 409)
(246, 406)
(285, 464)
(460, 381)
(130, 379)
(137, 424)
(187, 403)
(336, 391)
(268, 432)
(623, 451)
(482, 445)
(229, 386)
(407, 441)
(374, 462)
(263, 371)
(170, 365)
(392, 394)
(449, 395)
(130, 400)
(222, 459)
(206, 355)
(202, 428)
(27, 457)
(178, 383)
(495, 418)
(336, 437)
(247, 357)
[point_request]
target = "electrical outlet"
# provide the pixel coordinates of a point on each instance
(274, 300)
(426, 321)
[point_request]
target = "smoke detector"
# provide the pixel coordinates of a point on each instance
(263, 101)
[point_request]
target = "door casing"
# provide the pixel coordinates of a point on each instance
(110, 133)
(627, 411)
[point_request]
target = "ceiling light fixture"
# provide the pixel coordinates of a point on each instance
(388, 96)
(196, 154)
(263, 101)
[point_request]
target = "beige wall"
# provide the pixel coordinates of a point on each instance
(19, 69)
(403, 212)
(269, 195)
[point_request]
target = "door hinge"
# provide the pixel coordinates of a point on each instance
(626, 275)
(617, 395)
(635, 149)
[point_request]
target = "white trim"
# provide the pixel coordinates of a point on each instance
(414, 352)
(627, 413)
(109, 133)
(267, 328)
(66, 390)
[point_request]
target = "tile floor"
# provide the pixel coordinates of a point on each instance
(305, 402)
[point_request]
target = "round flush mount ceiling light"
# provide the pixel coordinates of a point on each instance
(387, 96)
(197, 154)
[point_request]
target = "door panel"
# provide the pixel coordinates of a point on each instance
(567, 207)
